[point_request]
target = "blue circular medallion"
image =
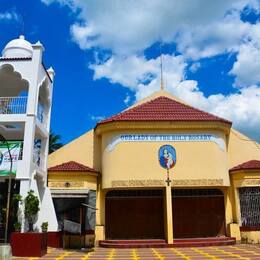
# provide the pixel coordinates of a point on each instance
(167, 156)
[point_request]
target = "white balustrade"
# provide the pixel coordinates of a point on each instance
(13, 105)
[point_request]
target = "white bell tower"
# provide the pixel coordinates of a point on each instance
(25, 109)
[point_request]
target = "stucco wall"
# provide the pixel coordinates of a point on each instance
(251, 237)
(241, 149)
(139, 160)
(77, 180)
(80, 150)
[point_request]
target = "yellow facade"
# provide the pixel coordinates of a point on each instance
(134, 165)
(72, 181)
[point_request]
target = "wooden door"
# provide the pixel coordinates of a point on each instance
(198, 216)
(134, 217)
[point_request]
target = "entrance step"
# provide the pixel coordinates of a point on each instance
(132, 243)
(198, 242)
(159, 243)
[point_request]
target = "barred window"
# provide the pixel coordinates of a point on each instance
(250, 206)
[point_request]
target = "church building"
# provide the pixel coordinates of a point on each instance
(161, 169)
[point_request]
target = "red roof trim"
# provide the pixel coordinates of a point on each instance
(71, 166)
(164, 109)
(249, 165)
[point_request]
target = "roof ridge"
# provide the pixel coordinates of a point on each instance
(71, 166)
(156, 111)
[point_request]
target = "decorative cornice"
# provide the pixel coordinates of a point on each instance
(250, 182)
(72, 174)
(162, 125)
(162, 183)
(66, 184)
(198, 182)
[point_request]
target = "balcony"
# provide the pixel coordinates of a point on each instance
(13, 105)
(18, 105)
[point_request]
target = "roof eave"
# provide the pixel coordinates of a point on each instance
(149, 124)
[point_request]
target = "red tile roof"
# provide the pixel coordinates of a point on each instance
(250, 165)
(71, 166)
(163, 109)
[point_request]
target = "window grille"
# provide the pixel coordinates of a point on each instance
(134, 193)
(197, 193)
(250, 206)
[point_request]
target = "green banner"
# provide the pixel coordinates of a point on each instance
(5, 162)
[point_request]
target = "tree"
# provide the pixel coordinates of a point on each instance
(54, 142)
(31, 208)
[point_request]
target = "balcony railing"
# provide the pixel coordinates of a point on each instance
(13, 105)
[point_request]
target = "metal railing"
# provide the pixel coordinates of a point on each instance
(249, 206)
(13, 105)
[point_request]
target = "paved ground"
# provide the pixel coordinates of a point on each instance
(199, 253)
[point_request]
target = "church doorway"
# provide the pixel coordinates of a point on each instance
(134, 214)
(198, 213)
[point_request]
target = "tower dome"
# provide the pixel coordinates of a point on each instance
(18, 48)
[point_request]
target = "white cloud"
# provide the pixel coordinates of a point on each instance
(242, 108)
(247, 66)
(9, 16)
(139, 74)
(97, 118)
(133, 72)
(200, 29)
(130, 26)
(195, 67)
(224, 35)
(127, 100)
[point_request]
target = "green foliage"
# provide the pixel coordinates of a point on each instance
(54, 142)
(31, 208)
(17, 198)
(44, 226)
(17, 226)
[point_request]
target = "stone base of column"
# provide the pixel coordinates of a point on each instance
(99, 233)
(5, 252)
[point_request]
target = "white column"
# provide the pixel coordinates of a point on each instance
(28, 146)
(169, 221)
(24, 188)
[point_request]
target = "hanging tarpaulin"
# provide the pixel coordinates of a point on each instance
(5, 161)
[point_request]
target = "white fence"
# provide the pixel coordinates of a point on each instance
(13, 105)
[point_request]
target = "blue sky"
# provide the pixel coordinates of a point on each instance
(106, 55)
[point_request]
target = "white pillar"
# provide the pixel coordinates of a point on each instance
(169, 221)
(24, 188)
(28, 146)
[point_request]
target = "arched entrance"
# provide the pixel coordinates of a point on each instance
(198, 213)
(134, 214)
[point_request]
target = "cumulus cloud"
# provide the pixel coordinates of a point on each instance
(199, 29)
(247, 66)
(139, 74)
(130, 26)
(222, 36)
(143, 77)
